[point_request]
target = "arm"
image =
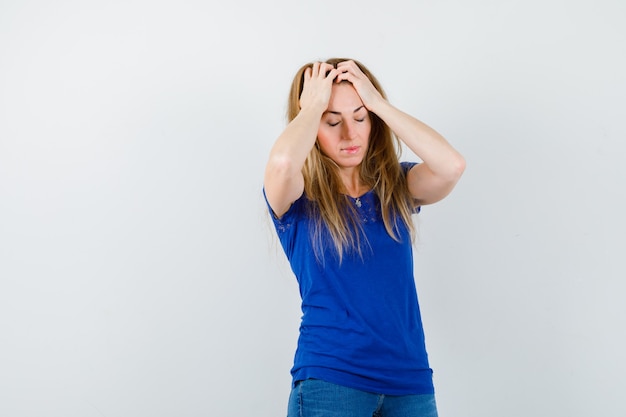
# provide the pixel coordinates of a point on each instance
(442, 165)
(283, 179)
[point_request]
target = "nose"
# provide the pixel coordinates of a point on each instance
(348, 131)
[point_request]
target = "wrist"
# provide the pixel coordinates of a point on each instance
(380, 107)
(313, 110)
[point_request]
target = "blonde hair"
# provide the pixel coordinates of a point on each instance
(380, 170)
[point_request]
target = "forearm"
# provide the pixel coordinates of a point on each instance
(292, 147)
(432, 148)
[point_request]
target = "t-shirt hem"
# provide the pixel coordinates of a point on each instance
(360, 383)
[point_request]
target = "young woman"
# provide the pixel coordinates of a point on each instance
(342, 202)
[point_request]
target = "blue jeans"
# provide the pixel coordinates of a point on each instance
(315, 398)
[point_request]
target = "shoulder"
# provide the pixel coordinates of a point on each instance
(296, 209)
(406, 166)
(408, 169)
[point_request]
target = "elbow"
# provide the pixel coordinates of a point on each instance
(281, 166)
(459, 166)
(455, 168)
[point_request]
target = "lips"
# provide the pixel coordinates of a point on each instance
(351, 149)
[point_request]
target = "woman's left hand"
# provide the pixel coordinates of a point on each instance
(350, 71)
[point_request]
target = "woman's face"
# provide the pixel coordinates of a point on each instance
(345, 127)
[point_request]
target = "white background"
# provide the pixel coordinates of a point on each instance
(140, 276)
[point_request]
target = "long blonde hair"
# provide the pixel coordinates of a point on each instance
(380, 170)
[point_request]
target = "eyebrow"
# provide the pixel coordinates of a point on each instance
(339, 113)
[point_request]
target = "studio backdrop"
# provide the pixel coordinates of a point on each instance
(139, 271)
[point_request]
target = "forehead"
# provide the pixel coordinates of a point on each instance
(344, 98)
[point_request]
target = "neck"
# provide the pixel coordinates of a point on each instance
(352, 183)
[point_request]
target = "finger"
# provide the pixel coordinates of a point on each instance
(332, 73)
(315, 69)
(344, 75)
(325, 69)
(351, 67)
(346, 65)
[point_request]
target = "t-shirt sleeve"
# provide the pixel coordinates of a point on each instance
(286, 225)
(406, 167)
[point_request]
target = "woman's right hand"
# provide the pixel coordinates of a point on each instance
(318, 82)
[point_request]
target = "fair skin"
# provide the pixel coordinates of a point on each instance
(343, 135)
(325, 100)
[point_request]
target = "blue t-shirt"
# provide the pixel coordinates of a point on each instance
(361, 325)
